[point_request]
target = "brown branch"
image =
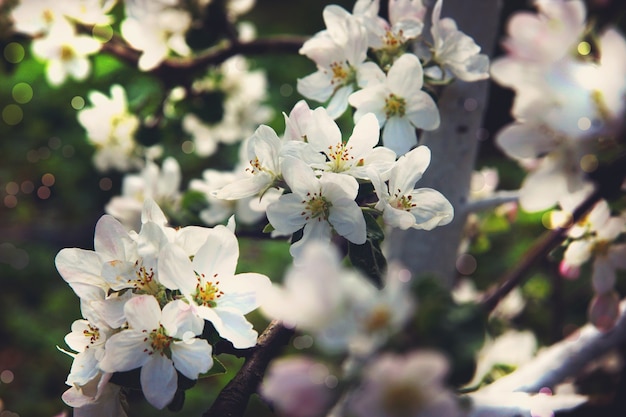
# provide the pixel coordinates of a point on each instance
(212, 56)
(233, 399)
(608, 180)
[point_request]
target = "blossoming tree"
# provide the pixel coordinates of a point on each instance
(370, 181)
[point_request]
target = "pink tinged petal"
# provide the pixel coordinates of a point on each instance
(432, 209)
(192, 357)
(617, 255)
(179, 319)
(408, 170)
(125, 351)
(159, 381)
(299, 176)
(266, 145)
(347, 219)
(119, 274)
(604, 310)
(399, 135)
(80, 266)
(219, 255)
(234, 327)
(323, 132)
(524, 140)
(143, 313)
(242, 292)
(603, 277)
(109, 238)
(405, 77)
(285, 213)
(175, 269)
(422, 111)
(365, 135)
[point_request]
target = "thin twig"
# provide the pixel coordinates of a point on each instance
(499, 197)
(233, 399)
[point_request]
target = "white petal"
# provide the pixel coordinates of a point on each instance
(432, 209)
(109, 238)
(323, 132)
(299, 176)
(405, 77)
(175, 269)
(219, 255)
(399, 135)
(124, 351)
(347, 219)
(242, 291)
(285, 213)
(159, 381)
(193, 357)
(143, 313)
(235, 328)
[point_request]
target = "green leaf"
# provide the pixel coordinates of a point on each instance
(218, 368)
(368, 257)
(268, 228)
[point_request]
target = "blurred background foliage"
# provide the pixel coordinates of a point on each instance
(51, 197)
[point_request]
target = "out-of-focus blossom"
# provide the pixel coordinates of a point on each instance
(355, 316)
(156, 33)
(37, 17)
(111, 128)
(405, 385)
(298, 386)
(399, 104)
(404, 206)
(65, 53)
(455, 52)
(160, 184)
(98, 398)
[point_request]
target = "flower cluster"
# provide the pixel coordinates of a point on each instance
(569, 94)
(391, 85)
(320, 174)
(145, 298)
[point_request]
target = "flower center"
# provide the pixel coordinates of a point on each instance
(67, 53)
(343, 74)
(159, 341)
(378, 319)
(404, 202)
(601, 248)
(317, 207)
(402, 399)
(394, 106)
(92, 333)
(207, 293)
(338, 156)
(144, 281)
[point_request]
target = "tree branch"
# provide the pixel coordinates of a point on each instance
(233, 399)
(499, 197)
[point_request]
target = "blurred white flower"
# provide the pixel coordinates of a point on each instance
(160, 184)
(98, 398)
(65, 53)
(111, 128)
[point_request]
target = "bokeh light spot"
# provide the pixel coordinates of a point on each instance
(584, 48)
(102, 33)
(68, 151)
(77, 102)
(584, 123)
(302, 342)
(22, 93)
(6, 376)
(43, 192)
(331, 381)
(32, 156)
(27, 187)
(12, 114)
(105, 184)
(286, 90)
(470, 104)
(12, 188)
(48, 179)
(188, 147)
(466, 264)
(589, 163)
(10, 201)
(14, 52)
(54, 143)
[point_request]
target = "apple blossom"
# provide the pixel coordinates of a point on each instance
(339, 53)
(160, 343)
(111, 128)
(318, 206)
(399, 104)
(455, 52)
(402, 205)
(98, 398)
(356, 155)
(65, 53)
(211, 287)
